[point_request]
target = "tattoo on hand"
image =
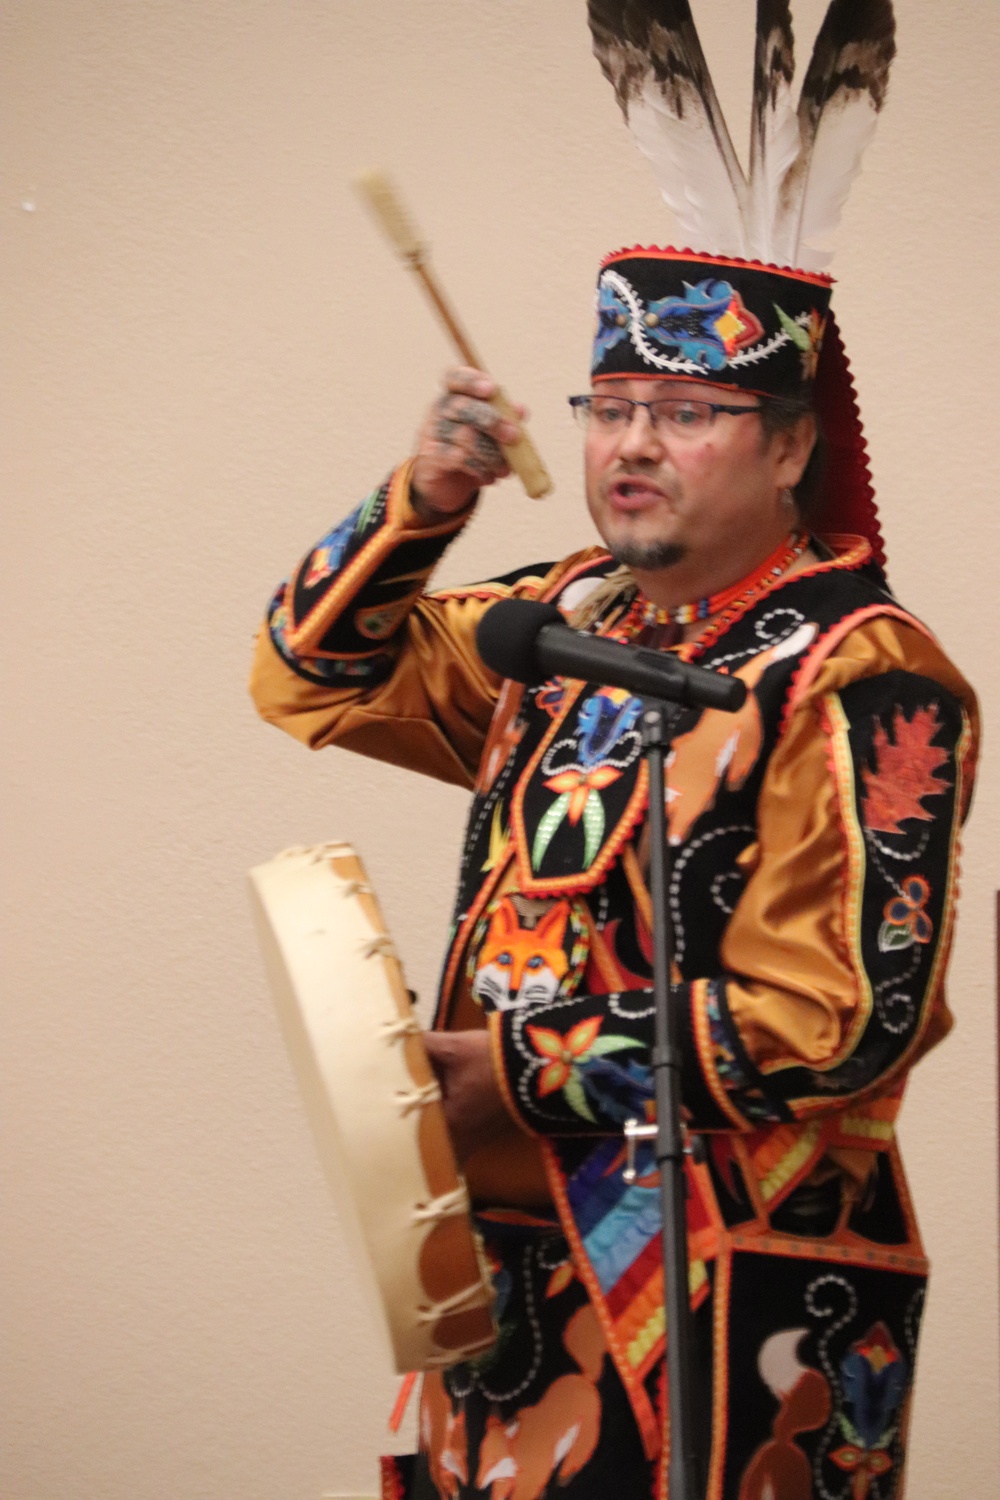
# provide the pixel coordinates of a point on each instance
(487, 451)
(478, 414)
(484, 457)
(446, 429)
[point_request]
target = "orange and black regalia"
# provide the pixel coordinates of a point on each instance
(814, 880)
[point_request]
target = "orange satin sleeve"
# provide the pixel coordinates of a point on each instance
(796, 989)
(432, 714)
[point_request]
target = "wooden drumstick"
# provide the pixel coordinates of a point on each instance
(384, 203)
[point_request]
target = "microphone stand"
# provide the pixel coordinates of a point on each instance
(668, 1132)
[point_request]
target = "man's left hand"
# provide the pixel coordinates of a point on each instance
(473, 1104)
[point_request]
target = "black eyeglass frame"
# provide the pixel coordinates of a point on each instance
(582, 405)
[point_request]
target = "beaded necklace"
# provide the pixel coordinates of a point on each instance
(644, 613)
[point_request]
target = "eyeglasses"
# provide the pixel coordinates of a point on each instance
(674, 414)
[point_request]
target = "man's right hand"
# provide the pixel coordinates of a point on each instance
(458, 448)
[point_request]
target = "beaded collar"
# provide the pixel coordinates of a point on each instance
(643, 613)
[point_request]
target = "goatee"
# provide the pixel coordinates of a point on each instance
(650, 556)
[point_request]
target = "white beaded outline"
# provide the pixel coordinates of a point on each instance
(679, 365)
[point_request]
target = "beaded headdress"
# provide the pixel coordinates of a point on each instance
(750, 306)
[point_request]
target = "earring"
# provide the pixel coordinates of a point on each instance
(788, 499)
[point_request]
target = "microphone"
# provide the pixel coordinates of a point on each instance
(530, 641)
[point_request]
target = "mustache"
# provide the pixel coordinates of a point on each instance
(647, 474)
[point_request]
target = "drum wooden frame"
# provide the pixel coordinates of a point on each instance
(373, 1103)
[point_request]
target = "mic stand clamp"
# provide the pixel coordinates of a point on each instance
(635, 1130)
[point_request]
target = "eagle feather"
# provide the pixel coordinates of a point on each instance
(802, 161)
(650, 52)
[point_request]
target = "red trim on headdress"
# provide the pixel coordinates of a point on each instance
(667, 252)
(848, 502)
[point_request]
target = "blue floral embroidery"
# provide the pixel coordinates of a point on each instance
(612, 322)
(875, 1379)
(550, 695)
(688, 322)
(602, 721)
(278, 620)
(606, 743)
(329, 554)
(618, 1093)
(327, 557)
(708, 324)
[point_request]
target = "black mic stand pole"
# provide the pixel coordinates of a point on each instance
(668, 1132)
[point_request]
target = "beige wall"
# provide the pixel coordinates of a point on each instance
(209, 356)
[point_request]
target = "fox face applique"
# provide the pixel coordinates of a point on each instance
(517, 961)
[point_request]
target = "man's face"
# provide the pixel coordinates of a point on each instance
(657, 496)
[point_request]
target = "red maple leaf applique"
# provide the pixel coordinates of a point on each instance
(904, 771)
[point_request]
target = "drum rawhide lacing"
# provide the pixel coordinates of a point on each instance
(392, 1031)
(374, 1104)
(429, 1093)
(448, 1203)
(460, 1302)
(379, 946)
(457, 1201)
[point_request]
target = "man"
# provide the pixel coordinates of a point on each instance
(814, 837)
